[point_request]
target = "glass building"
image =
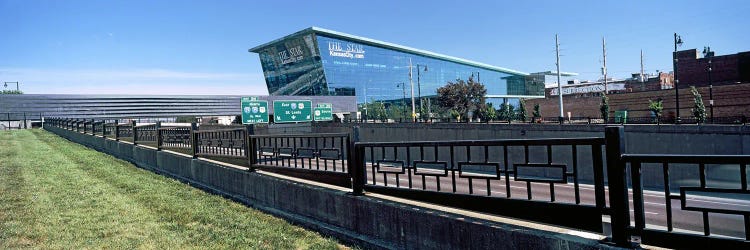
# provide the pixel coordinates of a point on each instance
(320, 62)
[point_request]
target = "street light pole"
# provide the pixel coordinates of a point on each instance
(419, 87)
(710, 54)
(677, 41)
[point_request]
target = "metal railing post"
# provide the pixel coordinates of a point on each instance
(135, 132)
(104, 129)
(618, 187)
(24, 121)
(249, 147)
(355, 164)
(158, 136)
(117, 130)
(194, 139)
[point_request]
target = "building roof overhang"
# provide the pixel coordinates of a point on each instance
(377, 43)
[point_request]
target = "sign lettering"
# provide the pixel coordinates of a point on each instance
(350, 50)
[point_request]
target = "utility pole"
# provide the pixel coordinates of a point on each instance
(413, 108)
(604, 68)
(559, 83)
(642, 80)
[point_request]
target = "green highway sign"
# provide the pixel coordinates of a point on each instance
(254, 110)
(323, 112)
(292, 111)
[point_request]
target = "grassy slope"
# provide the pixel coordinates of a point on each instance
(57, 194)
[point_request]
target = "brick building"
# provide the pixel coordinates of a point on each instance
(730, 100)
(659, 81)
(692, 69)
(730, 76)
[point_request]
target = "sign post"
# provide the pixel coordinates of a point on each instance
(254, 110)
(292, 111)
(323, 112)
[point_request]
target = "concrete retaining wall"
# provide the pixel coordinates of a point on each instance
(363, 220)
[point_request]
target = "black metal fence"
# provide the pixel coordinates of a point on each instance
(230, 143)
(319, 157)
(22, 120)
(571, 182)
(704, 201)
(536, 179)
(176, 137)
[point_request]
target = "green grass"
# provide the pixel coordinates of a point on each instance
(60, 195)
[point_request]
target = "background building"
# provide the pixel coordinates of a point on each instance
(146, 107)
(692, 69)
(319, 62)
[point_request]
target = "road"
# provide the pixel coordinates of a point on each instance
(654, 202)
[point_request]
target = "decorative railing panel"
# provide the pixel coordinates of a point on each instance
(715, 202)
(230, 143)
(545, 172)
(146, 133)
(175, 138)
(324, 152)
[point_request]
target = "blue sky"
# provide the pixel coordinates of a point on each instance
(200, 47)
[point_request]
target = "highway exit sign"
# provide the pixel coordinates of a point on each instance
(292, 111)
(254, 110)
(323, 112)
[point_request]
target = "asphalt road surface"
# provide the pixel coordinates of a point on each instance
(654, 202)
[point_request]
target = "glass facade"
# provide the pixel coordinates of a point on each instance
(323, 64)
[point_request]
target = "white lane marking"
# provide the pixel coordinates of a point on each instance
(720, 203)
(645, 193)
(631, 210)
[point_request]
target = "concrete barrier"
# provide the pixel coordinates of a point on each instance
(371, 221)
(144, 157)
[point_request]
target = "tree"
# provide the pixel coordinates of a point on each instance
(462, 97)
(604, 108)
(487, 113)
(455, 115)
(521, 111)
(699, 110)
(656, 108)
(537, 112)
(506, 112)
(376, 110)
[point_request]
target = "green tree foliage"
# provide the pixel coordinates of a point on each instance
(397, 112)
(455, 115)
(487, 113)
(376, 110)
(656, 107)
(506, 112)
(521, 111)
(462, 97)
(699, 110)
(537, 112)
(604, 108)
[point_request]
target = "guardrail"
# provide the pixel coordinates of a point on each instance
(145, 133)
(484, 175)
(532, 179)
(230, 143)
(703, 199)
(320, 157)
(176, 137)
